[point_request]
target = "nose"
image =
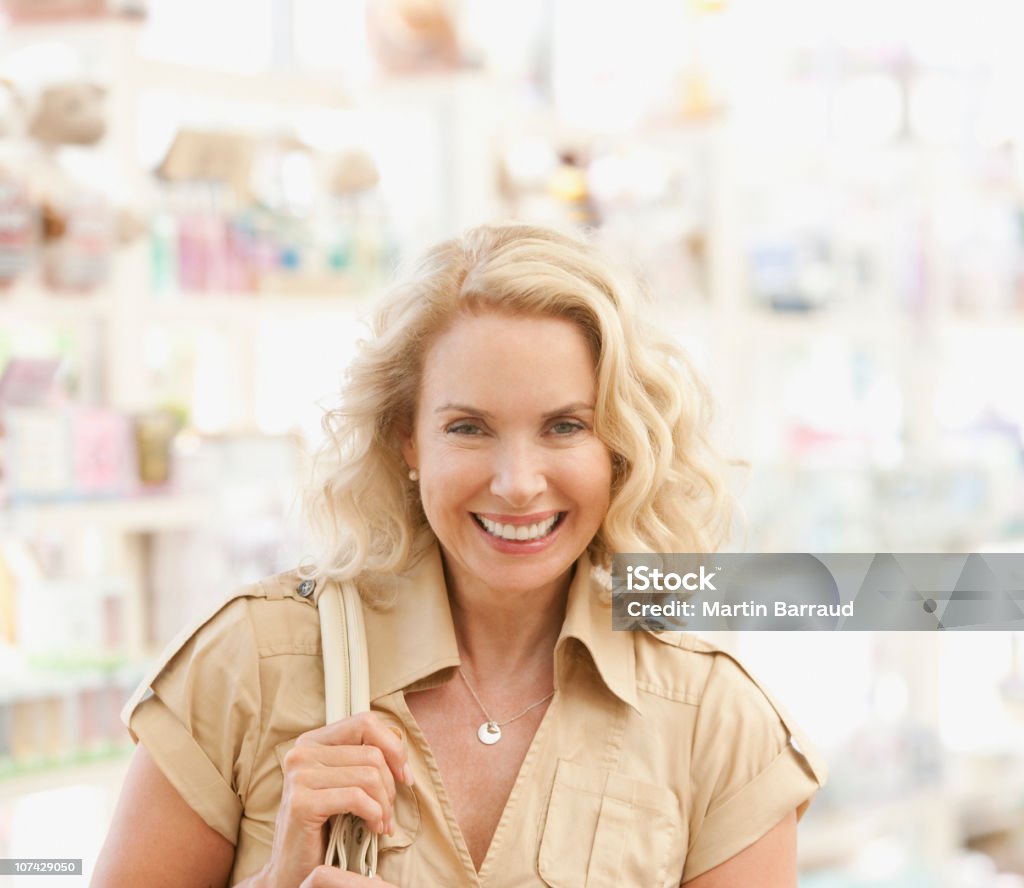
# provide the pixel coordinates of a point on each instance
(519, 476)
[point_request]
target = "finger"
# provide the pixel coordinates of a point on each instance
(365, 728)
(407, 777)
(316, 806)
(321, 766)
(368, 779)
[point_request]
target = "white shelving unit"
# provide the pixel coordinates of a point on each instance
(112, 321)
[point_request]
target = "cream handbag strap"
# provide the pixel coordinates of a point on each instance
(351, 846)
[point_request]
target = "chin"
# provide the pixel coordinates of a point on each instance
(524, 577)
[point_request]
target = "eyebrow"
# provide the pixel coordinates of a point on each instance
(574, 407)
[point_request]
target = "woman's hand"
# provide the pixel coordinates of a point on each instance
(330, 877)
(348, 766)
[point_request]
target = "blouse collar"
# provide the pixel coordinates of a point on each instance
(419, 624)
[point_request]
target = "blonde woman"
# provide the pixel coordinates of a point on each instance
(509, 426)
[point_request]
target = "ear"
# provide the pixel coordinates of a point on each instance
(408, 443)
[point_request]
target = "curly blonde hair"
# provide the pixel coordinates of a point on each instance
(652, 410)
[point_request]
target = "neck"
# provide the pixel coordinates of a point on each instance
(501, 635)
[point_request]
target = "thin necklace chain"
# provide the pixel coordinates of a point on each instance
(487, 715)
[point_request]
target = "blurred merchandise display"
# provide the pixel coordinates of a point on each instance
(56, 450)
(199, 247)
(896, 181)
(62, 656)
(66, 453)
(77, 244)
(71, 633)
(57, 230)
(90, 628)
(246, 214)
(56, 719)
(154, 439)
(251, 481)
(18, 221)
(69, 114)
(646, 195)
(570, 188)
(910, 229)
(944, 507)
(27, 382)
(413, 36)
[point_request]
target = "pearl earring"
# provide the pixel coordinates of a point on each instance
(414, 475)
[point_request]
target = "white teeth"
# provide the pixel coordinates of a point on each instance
(518, 532)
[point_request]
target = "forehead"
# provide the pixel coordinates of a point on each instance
(509, 359)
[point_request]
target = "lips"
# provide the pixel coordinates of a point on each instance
(519, 532)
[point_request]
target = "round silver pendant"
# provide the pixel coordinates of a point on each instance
(489, 733)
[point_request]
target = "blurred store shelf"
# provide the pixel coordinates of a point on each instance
(140, 514)
(108, 771)
(37, 304)
(257, 87)
(52, 309)
(230, 307)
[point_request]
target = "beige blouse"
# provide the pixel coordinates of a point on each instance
(658, 758)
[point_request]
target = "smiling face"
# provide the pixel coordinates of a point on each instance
(513, 480)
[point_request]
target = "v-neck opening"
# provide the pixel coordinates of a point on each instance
(507, 811)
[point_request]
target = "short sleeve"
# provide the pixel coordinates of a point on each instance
(198, 712)
(751, 766)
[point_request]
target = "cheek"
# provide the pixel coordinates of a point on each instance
(592, 479)
(449, 479)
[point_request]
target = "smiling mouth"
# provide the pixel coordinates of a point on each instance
(520, 532)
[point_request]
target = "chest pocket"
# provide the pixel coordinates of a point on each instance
(605, 830)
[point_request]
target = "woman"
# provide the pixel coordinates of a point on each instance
(507, 429)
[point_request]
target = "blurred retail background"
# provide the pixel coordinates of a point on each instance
(200, 202)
